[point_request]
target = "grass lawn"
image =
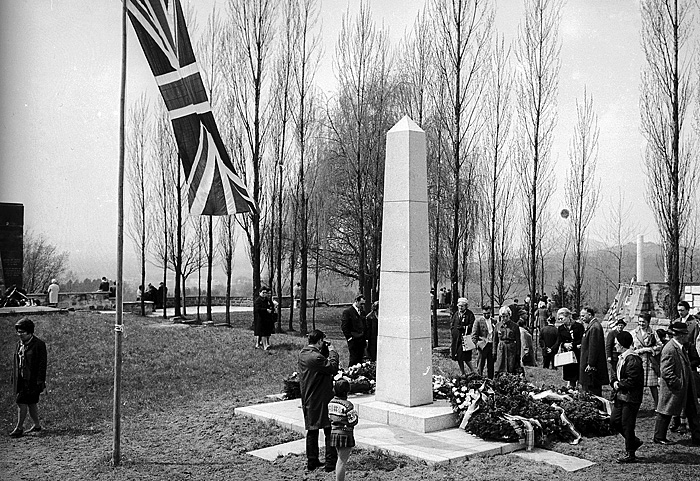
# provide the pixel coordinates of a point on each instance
(180, 387)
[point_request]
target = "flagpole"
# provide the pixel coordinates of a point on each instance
(119, 326)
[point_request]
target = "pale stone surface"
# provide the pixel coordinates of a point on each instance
(404, 356)
(424, 419)
(564, 461)
(438, 447)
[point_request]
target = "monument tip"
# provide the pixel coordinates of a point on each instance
(406, 123)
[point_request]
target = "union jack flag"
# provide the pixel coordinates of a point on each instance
(212, 186)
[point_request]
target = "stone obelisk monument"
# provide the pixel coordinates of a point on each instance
(404, 353)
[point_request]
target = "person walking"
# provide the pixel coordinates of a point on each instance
(28, 376)
(263, 319)
(677, 391)
(628, 390)
(343, 420)
(316, 372)
(648, 346)
(53, 293)
(570, 335)
(593, 369)
(353, 327)
(549, 341)
(461, 325)
(527, 347)
(506, 344)
(482, 335)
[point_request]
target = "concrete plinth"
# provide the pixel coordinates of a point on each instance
(404, 354)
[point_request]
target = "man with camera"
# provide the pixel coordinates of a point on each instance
(318, 363)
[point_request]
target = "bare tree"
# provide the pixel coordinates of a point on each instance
(358, 119)
(666, 94)
(619, 230)
(496, 184)
(246, 63)
(137, 174)
(462, 34)
(582, 188)
(165, 189)
(228, 237)
(537, 51)
(42, 262)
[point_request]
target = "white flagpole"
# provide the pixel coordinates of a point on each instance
(119, 326)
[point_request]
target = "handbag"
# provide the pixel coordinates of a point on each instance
(565, 358)
(468, 343)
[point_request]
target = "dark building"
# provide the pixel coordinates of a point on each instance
(11, 244)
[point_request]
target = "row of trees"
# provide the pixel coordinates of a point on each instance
(314, 163)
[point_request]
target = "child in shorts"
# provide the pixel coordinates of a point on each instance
(343, 419)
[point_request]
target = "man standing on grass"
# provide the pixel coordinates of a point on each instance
(677, 390)
(353, 327)
(482, 335)
(628, 385)
(316, 372)
(678, 424)
(593, 370)
(549, 340)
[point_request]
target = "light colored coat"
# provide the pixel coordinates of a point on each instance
(675, 382)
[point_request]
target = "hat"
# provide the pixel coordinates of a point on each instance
(462, 300)
(264, 289)
(620, 321)
(359, 297)
(53, 281)
(678, 327)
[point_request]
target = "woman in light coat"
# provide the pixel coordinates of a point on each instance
(648, 345)
(506, 343)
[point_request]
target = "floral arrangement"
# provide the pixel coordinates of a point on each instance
(362, 378)
(508, 408)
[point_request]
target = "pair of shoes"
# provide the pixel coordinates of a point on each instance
(628, 458)
(17, 433)
(312, 464)
(33, 429)
(665, 442)
(258, 346)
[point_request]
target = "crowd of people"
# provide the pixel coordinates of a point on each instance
(665, 361)
(155, 295)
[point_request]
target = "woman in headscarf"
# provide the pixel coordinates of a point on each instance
(506, 343)
(28, 375)
(647, 345)
(570, 336)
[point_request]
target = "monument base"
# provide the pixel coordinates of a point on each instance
(428, 418)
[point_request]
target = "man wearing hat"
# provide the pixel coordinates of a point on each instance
(678, 423)
(482, 335)
(628, 391)
(611, 350)
(593, 373)
(677, 389)
(353, 327)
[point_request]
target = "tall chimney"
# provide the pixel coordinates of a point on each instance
(640, 258)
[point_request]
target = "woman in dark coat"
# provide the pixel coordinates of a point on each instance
(28, 375)
(263, 319)
(461, 324)
(371, 331)
(570, 336)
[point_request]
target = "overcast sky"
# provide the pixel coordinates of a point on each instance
(59, 123)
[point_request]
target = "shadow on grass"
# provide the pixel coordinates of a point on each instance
(68, 432)
(284, 346)
(671, 457)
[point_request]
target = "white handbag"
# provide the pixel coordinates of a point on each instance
(564, 358)
(467, 343)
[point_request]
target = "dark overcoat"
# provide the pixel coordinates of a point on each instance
(593, 354)
(263, 320)
(316, 384)
(34, 370)
(676, 382)
(506, 345)
(631, 383)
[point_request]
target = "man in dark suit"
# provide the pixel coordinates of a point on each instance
(353, 327)
(549, 341)
(593, 369)
(678, 423)
(677, 391)
(628, 385)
